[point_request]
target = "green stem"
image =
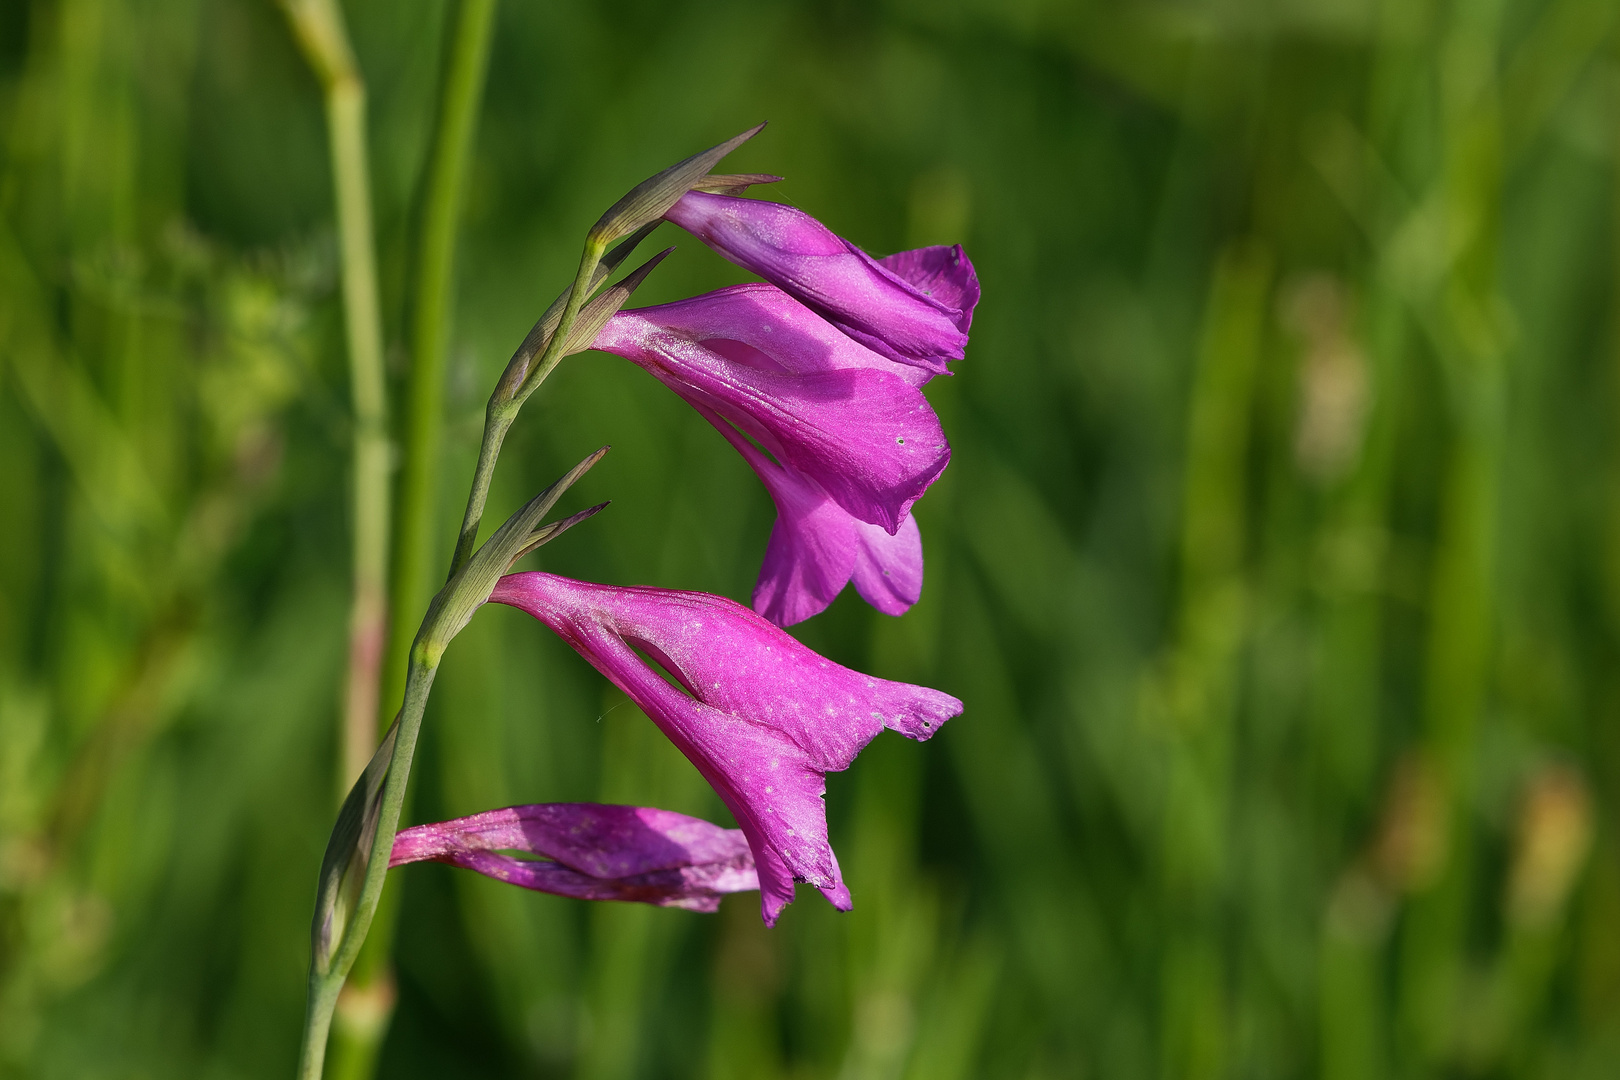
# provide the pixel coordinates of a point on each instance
(422, 436)
(325, 987)
(498, 418)
(507, 400)
(318, 25)
(363, 1013)
(376, 800)
(1434, 961)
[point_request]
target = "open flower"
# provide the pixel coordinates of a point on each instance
(761, 716)
(821, 404)
(592, 851)
(817, 547)
(914, 307)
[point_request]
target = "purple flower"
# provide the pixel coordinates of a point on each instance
(817, 546)
(761, 716)
(592, 852)
(820, 403)
(914, 307)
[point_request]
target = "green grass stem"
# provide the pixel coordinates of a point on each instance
(319, 28)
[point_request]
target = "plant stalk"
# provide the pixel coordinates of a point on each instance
(506, 401)
(365, 1006)
(318, 26)
(422, 434)
(325, 987)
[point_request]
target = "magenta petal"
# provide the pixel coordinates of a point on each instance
(595, 852)
(816, 547)
(869, 301)
(762, 717)
(867, 436)
(810, 557)
(943, 273)
(888, 569)
(763, 327)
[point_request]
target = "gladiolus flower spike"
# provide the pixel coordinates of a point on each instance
(815, 378)
(592, 852)
(761, 716)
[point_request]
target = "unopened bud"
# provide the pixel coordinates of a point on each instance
(733, 184)
(348, 855)
(647, 201)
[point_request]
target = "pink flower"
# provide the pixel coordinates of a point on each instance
(592, 852)
(821, 404)
(817, 546)
(761, 716)
(914, 307)
(820, 541)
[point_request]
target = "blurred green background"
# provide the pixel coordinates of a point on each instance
(1278, 563)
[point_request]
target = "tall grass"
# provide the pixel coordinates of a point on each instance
(1278, 563)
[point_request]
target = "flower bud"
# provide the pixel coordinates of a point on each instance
(348, 854)
(590, 851)
(648, 200)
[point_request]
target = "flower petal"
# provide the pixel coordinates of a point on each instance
(866, 436)
(592, 852)
(869, 301)
(888, 569)
(762, 717)
(816, 547)
(810, 556)
(943, 273)
(763, 327)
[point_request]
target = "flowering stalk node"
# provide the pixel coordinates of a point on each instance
(469, 589)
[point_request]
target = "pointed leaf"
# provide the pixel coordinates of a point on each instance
(548, 533)
(596, 314)
(471, 586)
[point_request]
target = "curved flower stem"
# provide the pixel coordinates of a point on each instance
(366, 1004)
(422, 436)
(318, 26)
(498, 418)
(507, 400)
(355, 865)
(324, 987)
(629, 221)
